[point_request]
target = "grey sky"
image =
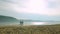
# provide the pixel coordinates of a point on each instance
(21, 9)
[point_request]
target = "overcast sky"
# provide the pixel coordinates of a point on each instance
(31, 9)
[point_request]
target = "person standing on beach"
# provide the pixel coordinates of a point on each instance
(21, 22)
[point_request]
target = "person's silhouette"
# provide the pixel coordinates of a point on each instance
(21, 22)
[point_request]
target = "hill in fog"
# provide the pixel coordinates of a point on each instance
(8, 20)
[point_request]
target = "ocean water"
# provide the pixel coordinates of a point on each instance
(31, 23)
(41, 23)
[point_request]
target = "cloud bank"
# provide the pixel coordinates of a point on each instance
(38, 7)
(29, 6)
